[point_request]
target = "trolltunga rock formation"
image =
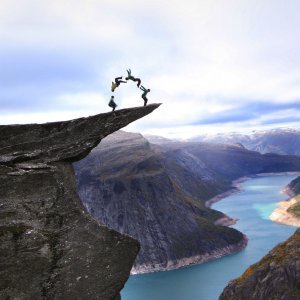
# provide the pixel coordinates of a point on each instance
(50, 247)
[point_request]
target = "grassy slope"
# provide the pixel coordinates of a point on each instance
(295, 187)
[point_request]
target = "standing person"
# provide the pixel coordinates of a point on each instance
(112, 103)
(146, 91)
(130, 77)
(117, 82)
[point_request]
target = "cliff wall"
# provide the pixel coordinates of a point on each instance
(50, 247)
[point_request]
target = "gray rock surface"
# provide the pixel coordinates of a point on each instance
(276, 276)
(50, 247)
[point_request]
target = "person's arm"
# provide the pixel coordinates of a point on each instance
(142, 88)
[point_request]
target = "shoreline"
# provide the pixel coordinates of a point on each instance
(199, 259)
(190, 261)
(296, 173)
(223, 221)
(235, 188)
(280, 214)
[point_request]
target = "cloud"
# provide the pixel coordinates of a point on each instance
(253, 111)
(210, 62)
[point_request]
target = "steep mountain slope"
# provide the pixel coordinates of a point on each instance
(275, 276)
(280, 141)
(294, 187)
(50, 247)
(157, 193)
(124, 184)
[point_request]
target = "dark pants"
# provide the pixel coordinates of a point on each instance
(138, 81)
(118, 81)
(112, 104)
(145, 99)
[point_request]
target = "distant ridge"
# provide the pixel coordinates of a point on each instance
(279, 141)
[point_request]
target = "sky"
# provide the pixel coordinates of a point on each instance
(216, 65)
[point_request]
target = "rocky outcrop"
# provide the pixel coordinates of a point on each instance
(50, 247)
(275, 276)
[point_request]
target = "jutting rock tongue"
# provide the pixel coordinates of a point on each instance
(50, 247)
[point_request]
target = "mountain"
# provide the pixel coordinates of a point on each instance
(124, 184)
(294, 187)
(280, 141)
(157, 193)
(275, 276)
(50, 247)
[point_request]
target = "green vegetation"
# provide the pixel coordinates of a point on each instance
(295, 186)
(207, 213)
(230, 235)
(295, 208)
(279, 256)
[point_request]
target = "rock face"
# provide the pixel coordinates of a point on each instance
(294, 186)
(124, 184)
(156, 191)
(276, 276)
(50, 247)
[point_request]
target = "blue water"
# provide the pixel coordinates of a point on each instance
(252, 207)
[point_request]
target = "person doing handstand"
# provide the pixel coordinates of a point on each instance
(117, 82)
(130, 77)
(146, 91)
(112, 103)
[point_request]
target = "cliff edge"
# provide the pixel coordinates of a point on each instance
(50, 247)
(275, 276)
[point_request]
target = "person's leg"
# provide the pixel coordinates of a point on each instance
(138, 81)
(118, 80)
(145, 100)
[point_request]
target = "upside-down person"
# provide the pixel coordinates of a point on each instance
(117, 82)
(131, 77)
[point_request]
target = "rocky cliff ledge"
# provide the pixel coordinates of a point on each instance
(50, 247)
(276, 276)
